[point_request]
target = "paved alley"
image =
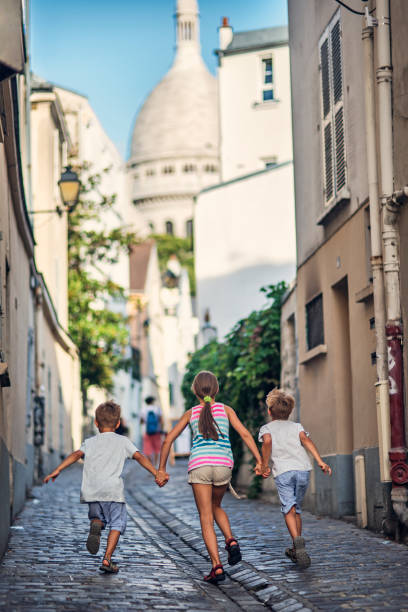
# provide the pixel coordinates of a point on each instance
(162, 558)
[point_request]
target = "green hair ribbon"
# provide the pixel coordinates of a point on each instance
(208, 399)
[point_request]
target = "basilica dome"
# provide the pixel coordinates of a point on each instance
(179, 117)
(175, 141)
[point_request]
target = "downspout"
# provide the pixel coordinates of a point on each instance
(382, 387)
(390, 208)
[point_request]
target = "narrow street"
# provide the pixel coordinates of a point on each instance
(162, 558)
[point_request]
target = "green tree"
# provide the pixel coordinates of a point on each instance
(100, 333)
(247, 365)
(182, 247)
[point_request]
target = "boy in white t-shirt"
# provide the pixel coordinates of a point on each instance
(102, 485)
(284, 442)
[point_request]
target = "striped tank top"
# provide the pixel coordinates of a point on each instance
(210, 452)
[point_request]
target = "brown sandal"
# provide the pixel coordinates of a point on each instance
(214, 578)
(112, 568)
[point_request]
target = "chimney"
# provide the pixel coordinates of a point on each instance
(225, 33)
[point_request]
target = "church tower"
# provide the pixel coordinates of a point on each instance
(175, 143)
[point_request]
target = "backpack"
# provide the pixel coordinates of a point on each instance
(152, 423)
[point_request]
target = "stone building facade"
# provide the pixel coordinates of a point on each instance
(328, 319)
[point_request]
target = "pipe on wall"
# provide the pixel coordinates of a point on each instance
(390, 237)
(382, 387)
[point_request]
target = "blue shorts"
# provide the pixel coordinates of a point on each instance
(112, 514)
(292, 487)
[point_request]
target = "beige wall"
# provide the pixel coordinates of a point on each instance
(337, 395)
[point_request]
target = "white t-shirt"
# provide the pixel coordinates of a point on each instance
(105, 455)
(287, 450)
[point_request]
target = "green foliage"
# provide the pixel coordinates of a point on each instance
(100, 334)
(182, 247)
(247, 365)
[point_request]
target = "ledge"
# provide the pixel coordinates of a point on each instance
(266, 104)
(320, 349)
(364, 294)
(342, 198)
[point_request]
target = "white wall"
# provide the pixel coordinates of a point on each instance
(251, 130)
(244, 239)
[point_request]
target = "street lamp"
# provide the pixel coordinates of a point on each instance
(69, 185)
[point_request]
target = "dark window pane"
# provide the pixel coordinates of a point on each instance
(314, 322)
(268, 94)
(169, 228)
(189, 228)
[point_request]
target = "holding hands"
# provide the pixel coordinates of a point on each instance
(262, 470)
(162, 478)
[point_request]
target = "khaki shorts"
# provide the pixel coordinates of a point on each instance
(217, 475)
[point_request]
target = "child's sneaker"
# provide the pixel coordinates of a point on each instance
(94, 537)
(302, 558)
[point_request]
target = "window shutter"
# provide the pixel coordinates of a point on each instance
(324, 63)
(327, 120)
(328, 162)
(340, 150)
(336, 62)
(333, 132)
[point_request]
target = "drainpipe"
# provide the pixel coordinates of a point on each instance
(394, 332)
(382, 387)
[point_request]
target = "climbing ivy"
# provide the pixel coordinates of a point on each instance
(247, 365)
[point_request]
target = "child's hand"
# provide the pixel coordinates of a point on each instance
(53, 475)
(161, 478)
(325, 468)
(267, 472)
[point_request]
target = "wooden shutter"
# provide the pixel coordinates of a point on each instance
(338, 109)
(326, 105)
(332, 110)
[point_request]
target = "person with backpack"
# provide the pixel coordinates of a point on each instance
(151, 416)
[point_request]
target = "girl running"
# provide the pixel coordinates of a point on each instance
(210, 465)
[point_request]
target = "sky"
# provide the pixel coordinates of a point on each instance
(116, 52)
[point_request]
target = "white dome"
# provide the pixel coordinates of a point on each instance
(179, 117)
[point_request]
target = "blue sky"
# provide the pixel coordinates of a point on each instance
(116, 52)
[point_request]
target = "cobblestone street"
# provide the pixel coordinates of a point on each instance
(162, 557)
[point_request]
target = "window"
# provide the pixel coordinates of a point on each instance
(189, 228)
(314, 322)
(189, 168)
(169, 228)
(270, 162)
(168, 170)
(267, 79)
(151, 226)
(150, 172)
(211, 168)
(332, 110)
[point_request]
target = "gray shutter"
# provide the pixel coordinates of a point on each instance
(324, 63)
(328, 161)
(340, 149)
(327, 115)
(336, 62)
(338, 109)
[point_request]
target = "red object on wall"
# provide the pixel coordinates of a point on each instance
(398, 451)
